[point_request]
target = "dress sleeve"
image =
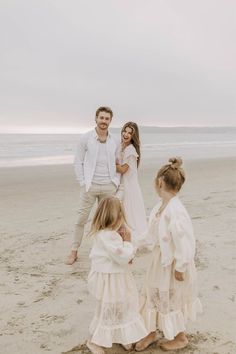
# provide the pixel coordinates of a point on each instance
(118, 250)
(130, 157)
(182, 234)
(150, 238)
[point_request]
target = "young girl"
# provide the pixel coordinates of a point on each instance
(170, 294)
(129, 191)
(116, 318)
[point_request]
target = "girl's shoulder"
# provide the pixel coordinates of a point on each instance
(176, 204)
(109, 235)
(177, 210)
(130, 151)
(154, 210)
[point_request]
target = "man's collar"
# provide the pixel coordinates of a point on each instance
(95, 134)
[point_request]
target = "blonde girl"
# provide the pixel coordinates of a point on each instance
(129, 191)
(116, 318)
(170, 295)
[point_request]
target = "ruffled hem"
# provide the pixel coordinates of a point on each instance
(173, 322)
(122, 334)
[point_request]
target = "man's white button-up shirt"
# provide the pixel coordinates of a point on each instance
(86, 158)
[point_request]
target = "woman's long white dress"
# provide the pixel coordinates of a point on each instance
(132, 196)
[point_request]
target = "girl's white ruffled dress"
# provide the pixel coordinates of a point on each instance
(117, 318)
(167, 303)
(131, 196)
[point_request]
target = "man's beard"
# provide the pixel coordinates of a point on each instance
(103, 126)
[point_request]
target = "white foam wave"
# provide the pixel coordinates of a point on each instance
(37, 161)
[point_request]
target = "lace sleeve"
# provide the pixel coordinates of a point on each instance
(130, 156)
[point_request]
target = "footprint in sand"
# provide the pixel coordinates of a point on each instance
(43, 220)
(216, 287)
(52, 318)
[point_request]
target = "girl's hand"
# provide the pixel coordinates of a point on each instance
(121, 231)
(179, 276)
(126, 235)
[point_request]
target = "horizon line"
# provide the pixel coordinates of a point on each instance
(81, 130)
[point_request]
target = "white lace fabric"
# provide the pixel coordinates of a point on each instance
(116, 318)
(167, 303)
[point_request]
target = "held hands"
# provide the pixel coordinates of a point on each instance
(124, 233)
(121, 231)
(179, 276)
(126, 236)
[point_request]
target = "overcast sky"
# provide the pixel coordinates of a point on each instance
(157, 62)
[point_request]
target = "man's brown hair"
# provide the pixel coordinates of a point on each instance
(104, 109)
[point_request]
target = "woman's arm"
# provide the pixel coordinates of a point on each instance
(122, 168)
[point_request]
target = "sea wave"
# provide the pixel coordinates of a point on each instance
(37, 161)
(65, 155)
(157, 146)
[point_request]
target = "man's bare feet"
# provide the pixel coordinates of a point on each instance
(72, 258)
(179, 342)
(146, 341)
(94, 348)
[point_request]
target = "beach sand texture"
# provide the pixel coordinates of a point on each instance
(45, 305)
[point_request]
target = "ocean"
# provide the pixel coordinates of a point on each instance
(189, 143)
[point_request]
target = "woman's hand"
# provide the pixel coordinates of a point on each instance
(118, 168)
(179, 276)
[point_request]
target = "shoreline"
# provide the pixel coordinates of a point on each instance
(147, 156)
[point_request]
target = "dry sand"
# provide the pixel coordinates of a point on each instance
(45, 306)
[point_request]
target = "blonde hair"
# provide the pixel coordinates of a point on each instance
(109, 215)
(172, 174)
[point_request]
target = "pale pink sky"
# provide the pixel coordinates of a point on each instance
(167, 63)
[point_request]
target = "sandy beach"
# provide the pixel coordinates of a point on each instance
(45, 305)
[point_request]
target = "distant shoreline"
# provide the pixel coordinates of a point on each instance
(143, 129)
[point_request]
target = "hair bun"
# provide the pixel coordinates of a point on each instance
(175, 162)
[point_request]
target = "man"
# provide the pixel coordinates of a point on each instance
(95, 167)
